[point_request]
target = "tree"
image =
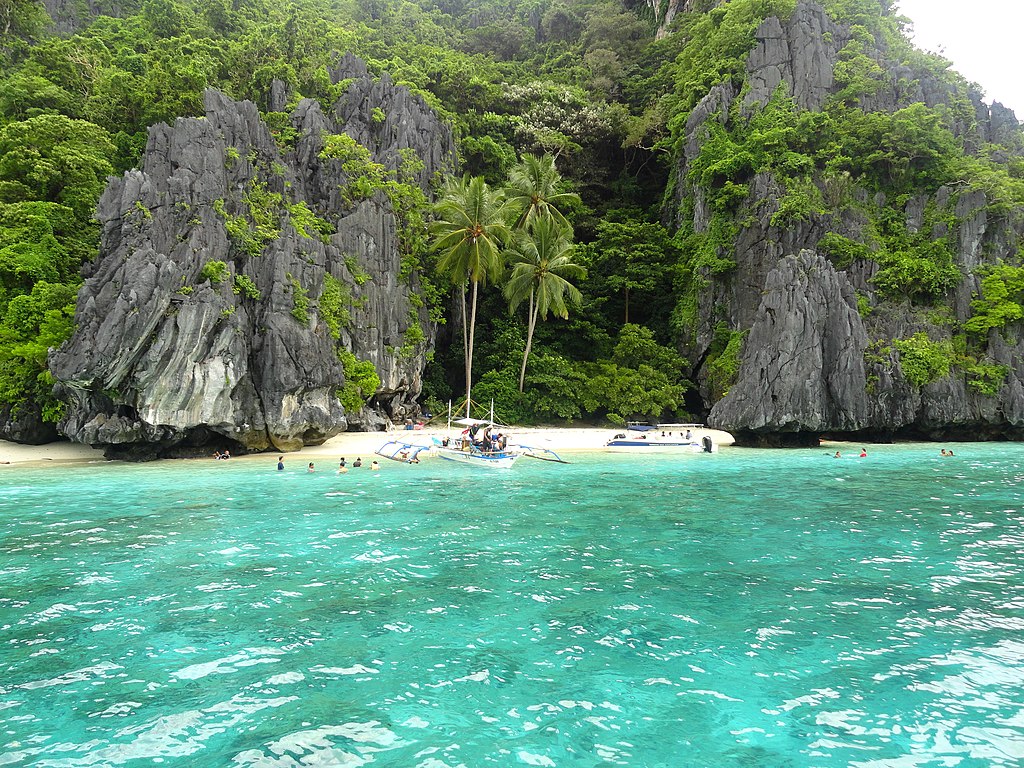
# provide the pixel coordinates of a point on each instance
(33, 324)
(541, 272)
(56, 159)
(634, 258)
(533, 191)
(21, 18)
(469, 233)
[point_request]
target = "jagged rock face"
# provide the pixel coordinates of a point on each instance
(164, 359)
(811, 364)
(71, 16)
(807, 321)
(802, 53)
(24, 424)
(804, 370)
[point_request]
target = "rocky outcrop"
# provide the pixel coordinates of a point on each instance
(235, 265)
(802, 52)
(821, 351)
(813, 365)
(23, 423)
(807, 321)
(71, 16)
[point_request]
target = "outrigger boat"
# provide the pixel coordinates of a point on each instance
(663, 438)
(475, 446)
(399, 450)
(489, 452)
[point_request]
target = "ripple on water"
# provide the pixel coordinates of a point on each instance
(744, 610)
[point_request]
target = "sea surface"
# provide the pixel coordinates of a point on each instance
(749, 608)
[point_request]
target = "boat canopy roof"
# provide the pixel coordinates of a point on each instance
(468, 422)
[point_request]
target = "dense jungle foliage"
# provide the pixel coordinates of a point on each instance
(588, 83)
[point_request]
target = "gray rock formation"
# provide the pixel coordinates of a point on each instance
(71, 16)
(24, 423)
(800, 55)
(173, 352)
(820, 353)
(807, 321)
(809, 366)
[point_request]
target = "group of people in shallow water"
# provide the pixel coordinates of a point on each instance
(864, 453)
(342, 465)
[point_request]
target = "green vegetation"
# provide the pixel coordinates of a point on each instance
(571, 110)
(300, 300)
(245, 286)
(364, 176)
(1001, 301)
(308, 224)
(333, 305)
(361, 382)
(32, 323)
(923, 360)
(259, 223)
(724, 360)
(214, 271)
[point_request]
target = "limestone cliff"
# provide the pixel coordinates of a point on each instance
(236, 264)
(827, 343)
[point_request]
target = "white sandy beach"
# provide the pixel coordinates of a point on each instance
(351, 445)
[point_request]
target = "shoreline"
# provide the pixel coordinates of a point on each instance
(351, 445)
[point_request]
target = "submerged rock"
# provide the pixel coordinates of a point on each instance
(233, 269)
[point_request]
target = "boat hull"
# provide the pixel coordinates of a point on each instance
(652, 446)
(497, 460)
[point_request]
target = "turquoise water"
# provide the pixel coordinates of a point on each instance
(750, 608)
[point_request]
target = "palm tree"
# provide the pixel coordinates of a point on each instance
(532, 192)
(469, 231)
(541, 271)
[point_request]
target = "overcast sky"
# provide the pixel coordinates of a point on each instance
(983, 38)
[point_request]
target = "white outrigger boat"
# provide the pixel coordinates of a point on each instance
(487, 452)
(475, 446)
(666, 438)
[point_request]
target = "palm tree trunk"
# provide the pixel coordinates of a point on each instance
(469, 355)
(530, 325)
(465, 341)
